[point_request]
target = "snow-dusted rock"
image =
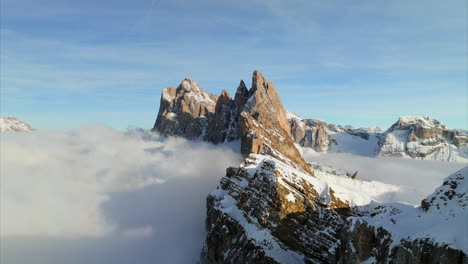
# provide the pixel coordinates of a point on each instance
(11, 124)
(310, 133)
(423, 138)
(266, 211)
(185, 111)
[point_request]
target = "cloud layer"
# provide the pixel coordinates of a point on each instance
(97, 195)
(56, 184)
(417, 178)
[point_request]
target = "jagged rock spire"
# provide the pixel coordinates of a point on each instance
(264, 126)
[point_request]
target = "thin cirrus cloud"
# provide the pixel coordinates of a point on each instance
(132, 50)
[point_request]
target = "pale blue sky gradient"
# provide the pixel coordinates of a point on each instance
(65, 64)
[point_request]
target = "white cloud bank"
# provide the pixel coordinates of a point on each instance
(56, 183)
(96, 195)
(417, 178)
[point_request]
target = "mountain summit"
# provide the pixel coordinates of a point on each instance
(274, 208)
(11, 124)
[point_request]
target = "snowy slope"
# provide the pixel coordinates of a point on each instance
(11, 124)
(423, 138)
(244, 198)
(413, 137)
(442, 218)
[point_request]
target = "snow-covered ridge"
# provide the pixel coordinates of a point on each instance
(441, 218)
(11, 124)
(424, 121)
(415, 137)
(265, 192)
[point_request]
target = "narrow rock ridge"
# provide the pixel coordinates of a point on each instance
(257, 117)
(265, 128)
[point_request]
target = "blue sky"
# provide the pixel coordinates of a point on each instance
(66, 64)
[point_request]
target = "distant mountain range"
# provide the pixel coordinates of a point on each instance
(277, 208)
(410, 137)
(191, 112)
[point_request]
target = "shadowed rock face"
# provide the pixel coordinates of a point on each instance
(266, 212)
(311, 133)
(224, 126)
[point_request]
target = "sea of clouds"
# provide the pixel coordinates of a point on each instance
(98, 195)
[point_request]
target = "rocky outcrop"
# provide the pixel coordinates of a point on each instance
(191, 112)
(274, 208)
(264, 126)
(224, 126)
(310, 133)
(185, 111)
(423, 138)
(267, 212)
(11, 124)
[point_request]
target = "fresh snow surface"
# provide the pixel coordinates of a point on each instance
(401, 219)
(444, 225)
(424, 121)
(10, 123)
(348, 143)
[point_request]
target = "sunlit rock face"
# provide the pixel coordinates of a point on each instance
(185, 111)
(424, 138)
(310, 133)
(266, 211)
(274, 208)
(264, 126)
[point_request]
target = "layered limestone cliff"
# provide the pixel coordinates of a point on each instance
(265, 211)
(423, 138)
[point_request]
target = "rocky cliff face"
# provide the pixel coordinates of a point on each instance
(274, 208)
(265, 211)
(310, 133)
(224, 126)
(185, 111)
(423, 138)
(191, 112)
(11, 124)
(410, 137)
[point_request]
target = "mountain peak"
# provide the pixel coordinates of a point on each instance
(12, 124)
(265, 127)
(424, 121)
